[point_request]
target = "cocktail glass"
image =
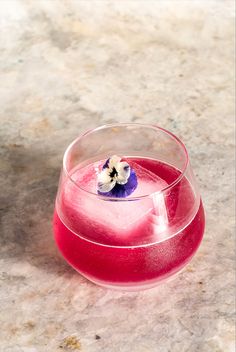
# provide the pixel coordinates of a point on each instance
(135, 242)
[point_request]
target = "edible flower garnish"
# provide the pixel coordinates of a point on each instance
(116, 179)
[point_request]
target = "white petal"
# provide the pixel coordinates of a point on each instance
(106, 187)
(123, 170)
(103, 176)
(105, 183)
(114, 161)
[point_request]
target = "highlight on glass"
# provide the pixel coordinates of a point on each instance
(128, 212)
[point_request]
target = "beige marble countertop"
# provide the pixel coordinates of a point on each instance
(67, 66)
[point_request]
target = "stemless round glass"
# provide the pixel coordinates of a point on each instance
(135, 242)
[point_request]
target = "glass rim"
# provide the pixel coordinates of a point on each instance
(155, 127)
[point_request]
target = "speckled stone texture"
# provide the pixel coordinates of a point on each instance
(67, 66)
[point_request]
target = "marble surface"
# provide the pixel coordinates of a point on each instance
(67, 66)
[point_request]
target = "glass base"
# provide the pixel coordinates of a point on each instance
(133, 287)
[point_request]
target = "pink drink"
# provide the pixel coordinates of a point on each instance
(127, 244)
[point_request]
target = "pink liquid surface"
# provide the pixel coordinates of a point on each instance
(107, 256)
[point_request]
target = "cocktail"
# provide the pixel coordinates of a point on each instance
(128, 213)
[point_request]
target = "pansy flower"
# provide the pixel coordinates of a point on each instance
(117, 178)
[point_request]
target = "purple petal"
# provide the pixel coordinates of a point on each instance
(106, 165)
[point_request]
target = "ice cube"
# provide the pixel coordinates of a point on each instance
(148, 182)
(86, 177)
(159, 218)
(122, 220)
